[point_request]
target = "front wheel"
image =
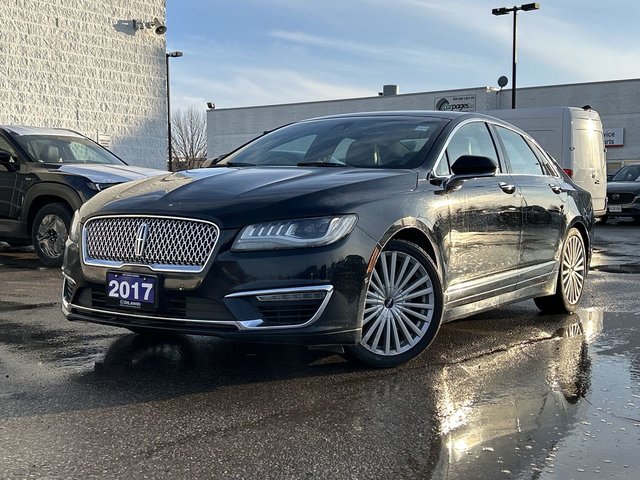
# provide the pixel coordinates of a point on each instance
(49, 233)
(571, 277)
(403, 306)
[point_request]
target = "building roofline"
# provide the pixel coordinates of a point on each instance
(434, 92)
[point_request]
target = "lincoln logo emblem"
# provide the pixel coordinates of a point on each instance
(141, 239)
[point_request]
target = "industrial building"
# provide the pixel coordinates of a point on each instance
(618, 103)
(93, 66)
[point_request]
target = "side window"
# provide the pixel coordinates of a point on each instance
(471, 139)
(545, 160)
(520, 155)
(5, 147)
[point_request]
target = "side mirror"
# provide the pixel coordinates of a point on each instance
(474, 166)
(470, 166)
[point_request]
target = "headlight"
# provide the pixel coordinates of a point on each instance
(306, 232)
(76, 226)
(98, 187)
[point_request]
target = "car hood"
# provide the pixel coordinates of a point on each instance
(621, 187)
(99, 173)
(233, 197)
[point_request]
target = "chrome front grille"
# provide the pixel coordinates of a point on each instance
(163, 243)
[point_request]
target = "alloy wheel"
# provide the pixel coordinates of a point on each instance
(51, 235)
(573, 269)
(399, 305)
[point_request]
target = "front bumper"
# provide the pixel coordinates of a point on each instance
(624, 209)
(306, 296)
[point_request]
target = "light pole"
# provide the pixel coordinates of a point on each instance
(166, 58)
(504, 11)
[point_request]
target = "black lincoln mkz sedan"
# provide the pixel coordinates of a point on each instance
(364, 230)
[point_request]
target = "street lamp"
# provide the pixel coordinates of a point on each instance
(167, 55)
(504, 11)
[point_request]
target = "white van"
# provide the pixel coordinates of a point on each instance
(574, 137)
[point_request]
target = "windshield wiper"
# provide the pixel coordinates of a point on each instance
(320, 164)
(234, 164)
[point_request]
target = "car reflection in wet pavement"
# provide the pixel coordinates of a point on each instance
(505, 394)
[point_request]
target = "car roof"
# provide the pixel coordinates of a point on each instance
(26, 130)
(398, 113)
(458, 116)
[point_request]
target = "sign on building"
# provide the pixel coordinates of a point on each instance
(458, 103)
(104, 140)
(613, 137)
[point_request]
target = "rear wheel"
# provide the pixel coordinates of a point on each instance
(573, 270)
(403, 306)
(49, 233)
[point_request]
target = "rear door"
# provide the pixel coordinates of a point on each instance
(544, 199)
(589, 162)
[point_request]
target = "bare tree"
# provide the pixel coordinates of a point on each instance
(188, 138)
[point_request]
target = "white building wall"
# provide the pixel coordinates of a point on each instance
(79, 64)
(617, 102)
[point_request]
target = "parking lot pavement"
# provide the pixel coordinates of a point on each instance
(25, 282)
(505, 394)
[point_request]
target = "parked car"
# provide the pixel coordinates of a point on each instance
(45, 175)
(366, 231)
(623, 193)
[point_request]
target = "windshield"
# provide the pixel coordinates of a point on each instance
(364, 142)
(65, 149)
(630, 173)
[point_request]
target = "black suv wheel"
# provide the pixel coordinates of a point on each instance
(49, 233)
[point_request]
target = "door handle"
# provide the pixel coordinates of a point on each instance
(556, 188)
(507, 187)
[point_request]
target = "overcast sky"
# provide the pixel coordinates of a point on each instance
(258, 52)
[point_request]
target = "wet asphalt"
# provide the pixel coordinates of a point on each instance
(505, 394)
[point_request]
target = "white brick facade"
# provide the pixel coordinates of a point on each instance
(79, 64)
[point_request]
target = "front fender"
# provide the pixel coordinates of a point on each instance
(50, 189)
(415, 230)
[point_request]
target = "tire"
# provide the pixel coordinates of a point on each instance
(636, 220)
(403, 307)
(571, 277)
(49, 233)
(603, 219)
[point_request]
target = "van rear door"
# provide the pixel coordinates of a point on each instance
(588, 160)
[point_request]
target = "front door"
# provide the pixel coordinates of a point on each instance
(485, 224)
(8, 178)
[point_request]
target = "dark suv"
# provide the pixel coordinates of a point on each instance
(45, 175)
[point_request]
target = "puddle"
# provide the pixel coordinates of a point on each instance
(544, 411)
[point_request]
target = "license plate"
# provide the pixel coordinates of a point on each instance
(131, 290)
(615, 208)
